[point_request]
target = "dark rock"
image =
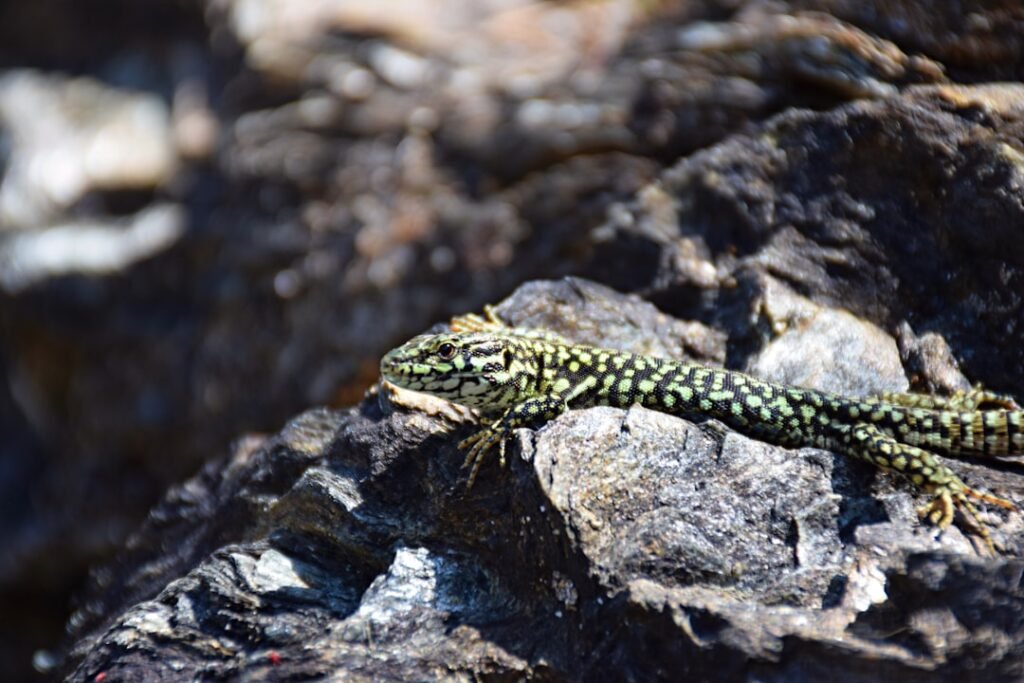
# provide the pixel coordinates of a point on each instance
(876, 207)
(781, 186)
(976, 42)
(618, 542)
(715, 76)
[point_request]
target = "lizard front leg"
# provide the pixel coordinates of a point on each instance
(530, 411)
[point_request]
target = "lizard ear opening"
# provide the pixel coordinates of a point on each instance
(508, 357)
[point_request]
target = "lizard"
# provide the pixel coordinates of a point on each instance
(519, 377)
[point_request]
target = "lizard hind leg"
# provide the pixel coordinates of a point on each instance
(980, 398)
(941, 509)
(949, 492)
(974, 399)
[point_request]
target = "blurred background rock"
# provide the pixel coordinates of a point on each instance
(216, 213)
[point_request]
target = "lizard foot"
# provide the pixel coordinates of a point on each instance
(948, 499)
(479, 444)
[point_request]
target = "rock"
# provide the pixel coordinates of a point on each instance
(623, 541)
(825, 348)
(325, 223)
(978, 43)
(714, 76)
(894, 239)
(86, 248)
(72, 136)
(779, 187)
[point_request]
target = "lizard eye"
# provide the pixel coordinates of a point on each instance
(446, 351)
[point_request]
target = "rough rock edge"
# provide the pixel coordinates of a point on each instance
(347, 543)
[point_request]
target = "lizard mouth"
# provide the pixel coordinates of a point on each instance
(396, 370)
(412, 374)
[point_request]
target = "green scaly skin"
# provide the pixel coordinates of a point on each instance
(518, 377)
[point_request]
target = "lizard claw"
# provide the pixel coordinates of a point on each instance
(990, 499)
(940, 511)
(479, 444)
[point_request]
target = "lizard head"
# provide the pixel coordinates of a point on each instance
(479, 370)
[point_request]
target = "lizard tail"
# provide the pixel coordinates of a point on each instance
(979, 432)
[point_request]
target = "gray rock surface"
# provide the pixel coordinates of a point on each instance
(823, 192)
(622, 543)
(888, 224)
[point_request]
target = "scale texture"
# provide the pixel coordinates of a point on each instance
(518, 377)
